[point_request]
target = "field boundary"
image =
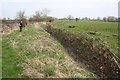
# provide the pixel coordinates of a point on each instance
(92, 52)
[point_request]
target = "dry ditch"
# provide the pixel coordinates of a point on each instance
(50, 53)
(91, 52)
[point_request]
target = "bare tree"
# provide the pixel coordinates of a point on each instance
(70, 17)
(38, 15)
(111, 18)
(76, 19)
(104, 19)
(8, 18)
(45, 11)
(4, 18)
(21, 16)
(98, 18)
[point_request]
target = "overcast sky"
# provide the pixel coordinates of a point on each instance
(61, 8)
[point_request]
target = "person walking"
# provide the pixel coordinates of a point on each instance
(20, 26)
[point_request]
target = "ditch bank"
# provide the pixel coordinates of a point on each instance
(90, 51)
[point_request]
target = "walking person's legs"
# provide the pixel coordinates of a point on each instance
(20, 29)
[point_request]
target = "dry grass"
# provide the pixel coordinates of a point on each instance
(49, 52)
(39, 56)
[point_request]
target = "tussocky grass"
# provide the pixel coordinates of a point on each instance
(105, 30)
(34, 53)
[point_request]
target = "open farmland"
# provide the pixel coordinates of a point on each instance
(34, 53)
(71, 39)
(105, 31)
(34, 44)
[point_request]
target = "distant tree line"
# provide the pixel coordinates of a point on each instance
(42, 15)
(105, 19)
(39, 16)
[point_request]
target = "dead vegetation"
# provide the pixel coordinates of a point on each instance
(51, 59)
(8, 28)
(92, 52)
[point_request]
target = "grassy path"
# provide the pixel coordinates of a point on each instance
(34, 53)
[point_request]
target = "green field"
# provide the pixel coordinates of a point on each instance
(34, 53)
(0, 57)
(106, 31)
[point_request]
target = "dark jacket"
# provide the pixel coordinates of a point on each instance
(20, 25)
